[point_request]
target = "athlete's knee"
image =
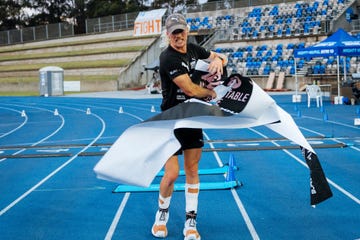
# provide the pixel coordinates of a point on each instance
(170, 176)
(191, 171)
(191, 167)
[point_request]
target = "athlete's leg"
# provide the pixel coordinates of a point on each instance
(191, 161)
(166, 189)
(192, 186)
(171, 174)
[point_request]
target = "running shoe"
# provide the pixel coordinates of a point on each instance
(159, 229)
(190, 231)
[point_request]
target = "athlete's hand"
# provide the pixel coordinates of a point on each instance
(216, 67)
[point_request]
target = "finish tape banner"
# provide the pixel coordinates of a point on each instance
(142, 150)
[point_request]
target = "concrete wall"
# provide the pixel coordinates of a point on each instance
(134, 75)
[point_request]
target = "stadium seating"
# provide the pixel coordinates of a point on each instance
(276, 19)
(281, 21)
(263, 59)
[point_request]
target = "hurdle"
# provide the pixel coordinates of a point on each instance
(229, 182)
(210, 171)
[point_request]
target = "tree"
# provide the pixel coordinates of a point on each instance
(50, 11)
(102, 8)
(10, 15)
(173, 5)
(79, 14)
(135, 6)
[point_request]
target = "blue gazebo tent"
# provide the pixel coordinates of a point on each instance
(338, 44)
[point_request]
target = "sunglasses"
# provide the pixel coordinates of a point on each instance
(177, 31)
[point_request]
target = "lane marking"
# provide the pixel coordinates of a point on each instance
(45, 138)
(237, 199)
(123, 203)
(24, 195)
(18, 127)
(53, 150)
(242, 144)
(69, 189)
(346, 193)
(116, 219)
(315, 142)
(334, 122)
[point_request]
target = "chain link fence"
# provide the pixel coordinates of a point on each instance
(38, 33)
(111, 23)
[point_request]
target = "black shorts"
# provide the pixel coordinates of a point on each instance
(189, 138)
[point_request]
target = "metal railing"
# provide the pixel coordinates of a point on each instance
(111, 23)
(116, 22)
(38, 33)
(230, 4)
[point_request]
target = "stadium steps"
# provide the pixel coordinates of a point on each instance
(96, 60)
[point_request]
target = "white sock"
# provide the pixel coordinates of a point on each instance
(164, 202)
(191, 197)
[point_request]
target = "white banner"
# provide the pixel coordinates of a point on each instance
(137, 156)
(149, 22)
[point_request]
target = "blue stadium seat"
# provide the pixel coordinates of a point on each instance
(306, 30)
(274, 11)
(249, 48)
(271, 28)
(291, 61)
(322, 69)
(301, 63)
(290, 46)
(269, 53)
(301, 45)
(292, 70)
(289, 20)
(264, 47)
(316, 69)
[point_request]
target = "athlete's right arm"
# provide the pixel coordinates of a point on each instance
(191, 89)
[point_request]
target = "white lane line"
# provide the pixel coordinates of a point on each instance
(45, 138)
(245, 215)
(67, 141)
(334, 139)
(3, 211)
(123, 203)
(21, 125)
(70, 189)
(334, 122)
(346, 193)
(355, 148)
(18, 127)
(116, 219)
(236, 197)
(121, 208)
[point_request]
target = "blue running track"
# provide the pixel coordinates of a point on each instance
(48, 190)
